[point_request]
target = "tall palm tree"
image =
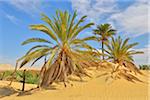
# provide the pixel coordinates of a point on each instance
(121, 53)
(62, 49)
(104, 31)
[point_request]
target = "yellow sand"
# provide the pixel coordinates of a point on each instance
(92, 89)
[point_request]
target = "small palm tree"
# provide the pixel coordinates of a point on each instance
(63, 49)
(121, 53)
(104, 31)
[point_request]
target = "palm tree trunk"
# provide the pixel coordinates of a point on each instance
(103, 49)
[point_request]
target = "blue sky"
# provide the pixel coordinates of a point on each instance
(129, 17)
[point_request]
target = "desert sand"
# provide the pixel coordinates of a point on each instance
(95, 88)
(4, 67)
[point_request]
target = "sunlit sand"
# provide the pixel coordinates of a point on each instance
(95, 88)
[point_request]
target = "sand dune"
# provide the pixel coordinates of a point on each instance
(90, 89)
(4, 67)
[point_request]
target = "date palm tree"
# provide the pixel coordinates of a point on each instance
(104, 31)
(66, 54)
(121, 53)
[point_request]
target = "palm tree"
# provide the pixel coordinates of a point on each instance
(104, 31)
(121, 53)
(63, 49)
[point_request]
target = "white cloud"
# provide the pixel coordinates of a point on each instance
(142, 1)
(148, 45)
(12, 18)
(94, 9)
(132, 19)
(143, 58)
(27, 6)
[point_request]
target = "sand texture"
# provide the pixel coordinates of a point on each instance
(96, 88)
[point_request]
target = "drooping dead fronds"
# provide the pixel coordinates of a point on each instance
(66, 64)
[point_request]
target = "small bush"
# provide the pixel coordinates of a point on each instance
(144, 67)
(32, 78)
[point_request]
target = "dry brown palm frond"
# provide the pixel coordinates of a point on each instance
(104, 74)
(129, 77)
(118, 71)
(119, 75)
(106, 65)
(132, 67)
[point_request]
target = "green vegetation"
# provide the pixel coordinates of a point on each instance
(31, 77)
(144, 67)
(5, 74)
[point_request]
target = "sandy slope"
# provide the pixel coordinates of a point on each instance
(94, 89)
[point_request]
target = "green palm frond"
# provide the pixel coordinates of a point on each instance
(90, 38)
(71, 24)
(37, 46)
(50, 23)
(33, 55)
(31, 40)
(120, 50)
(81, 28)
(44, 29)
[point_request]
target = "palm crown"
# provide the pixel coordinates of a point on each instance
(105, 31)
(119, 50)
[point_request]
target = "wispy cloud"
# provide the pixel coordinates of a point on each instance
(12, 18)
(28, 6)
(132, 19)
(95, 9)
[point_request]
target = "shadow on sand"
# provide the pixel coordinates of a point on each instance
(34, 90)
(8, 91)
